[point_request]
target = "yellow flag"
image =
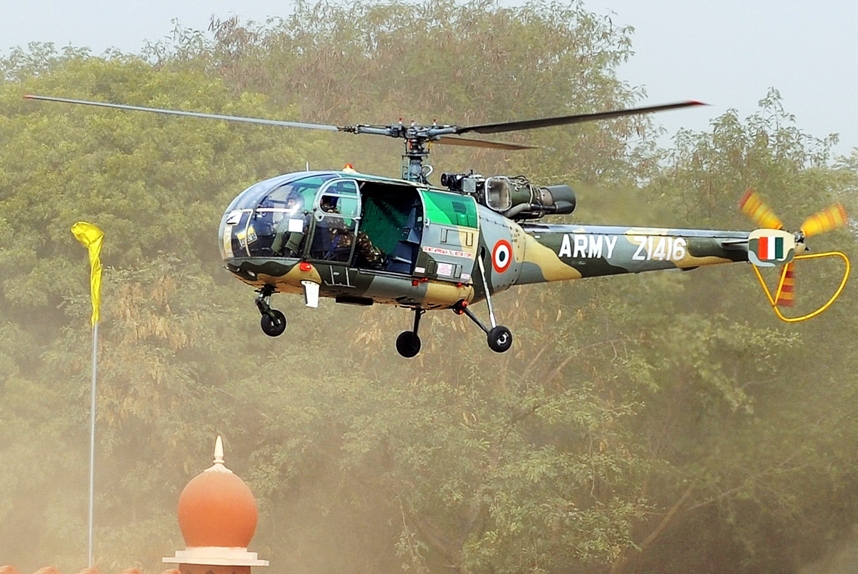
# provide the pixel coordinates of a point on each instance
(91, 237)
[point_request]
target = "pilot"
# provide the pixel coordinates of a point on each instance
(286, 242)
(341, 237)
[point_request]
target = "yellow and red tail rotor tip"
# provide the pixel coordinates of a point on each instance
(831, 217)
(754, 207)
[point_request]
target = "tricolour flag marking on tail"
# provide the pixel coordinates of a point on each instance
(770, 247)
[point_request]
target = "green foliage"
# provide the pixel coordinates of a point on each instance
(639, 423)
(371, 62)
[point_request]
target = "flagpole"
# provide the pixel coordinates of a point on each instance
(92, 436)
(91, 237)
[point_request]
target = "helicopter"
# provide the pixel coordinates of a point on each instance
(364, 239)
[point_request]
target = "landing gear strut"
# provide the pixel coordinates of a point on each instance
(408, 343)
(498, 337)
(273, 322)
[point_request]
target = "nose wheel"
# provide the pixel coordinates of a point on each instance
(273, 321)
(408, 344)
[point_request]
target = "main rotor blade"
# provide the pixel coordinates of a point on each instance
(189, 114)
(574, 119)
(481, 143)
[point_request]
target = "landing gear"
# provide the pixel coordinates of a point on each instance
(273, 322)
(408, 343)
(498, 337)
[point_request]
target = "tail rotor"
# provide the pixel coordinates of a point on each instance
(828, 219)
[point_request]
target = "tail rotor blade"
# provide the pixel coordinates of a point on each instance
(754, 207)
(786, 298)
(831, 217)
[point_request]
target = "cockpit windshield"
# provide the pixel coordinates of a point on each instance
(251, 222)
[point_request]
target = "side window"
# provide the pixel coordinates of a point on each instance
(336, 212)
(339, 197)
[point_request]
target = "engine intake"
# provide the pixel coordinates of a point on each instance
(514, 197)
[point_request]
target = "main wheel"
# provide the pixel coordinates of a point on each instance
(273, 327)
(408, 344)
(500, 339)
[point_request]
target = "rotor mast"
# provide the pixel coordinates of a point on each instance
(417, 139)
(412, 160)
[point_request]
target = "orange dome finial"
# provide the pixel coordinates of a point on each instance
(216, 508)
(217, 516)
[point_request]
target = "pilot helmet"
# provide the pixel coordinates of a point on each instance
(294, 200)
(329, 203)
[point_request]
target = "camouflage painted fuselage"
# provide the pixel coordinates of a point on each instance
(451, 249)
(558, 252)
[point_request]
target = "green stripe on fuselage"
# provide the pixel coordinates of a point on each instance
(449, 208)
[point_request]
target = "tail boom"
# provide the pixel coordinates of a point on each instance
(565, 252)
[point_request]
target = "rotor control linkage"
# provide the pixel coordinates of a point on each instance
(273, 322)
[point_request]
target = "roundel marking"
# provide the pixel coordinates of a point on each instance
(501, 256)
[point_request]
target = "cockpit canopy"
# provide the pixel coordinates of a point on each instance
(251, 222)
(354, 222)
(275, 192)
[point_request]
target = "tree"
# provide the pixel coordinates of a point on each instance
(747, 416)
(635, 418)
(369, 62)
